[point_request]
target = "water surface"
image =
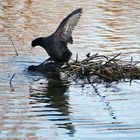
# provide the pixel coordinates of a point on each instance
(39, 107)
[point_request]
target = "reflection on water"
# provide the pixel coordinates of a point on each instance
(49, 107)
(107, 104)
(57, 101)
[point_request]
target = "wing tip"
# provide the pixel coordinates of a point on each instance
(79, 10)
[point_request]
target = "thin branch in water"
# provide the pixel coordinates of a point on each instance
(76, 58)
(107, 104)
(88, 55)
(69, 75)
(112, 58)
(131, 62)
(89, 58)
(13, 45)
(10, 82)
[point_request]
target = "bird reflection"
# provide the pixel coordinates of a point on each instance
(54, 95)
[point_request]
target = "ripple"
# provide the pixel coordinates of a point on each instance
(42, 108)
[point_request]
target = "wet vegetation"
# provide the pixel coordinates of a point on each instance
(100, 67)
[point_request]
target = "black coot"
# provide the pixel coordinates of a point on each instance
(56, 44)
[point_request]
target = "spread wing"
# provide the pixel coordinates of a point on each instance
(64, 30)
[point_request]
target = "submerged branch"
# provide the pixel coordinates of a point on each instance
(10, 82)
(13, 45)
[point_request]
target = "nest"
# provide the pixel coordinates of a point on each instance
(100, 67)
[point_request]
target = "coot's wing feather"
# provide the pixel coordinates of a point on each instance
(64, 30)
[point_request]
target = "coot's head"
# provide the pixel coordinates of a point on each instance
(37, 42)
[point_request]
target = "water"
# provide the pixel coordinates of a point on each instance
(39, 107)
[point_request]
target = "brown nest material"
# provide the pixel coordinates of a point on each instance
(103, 68)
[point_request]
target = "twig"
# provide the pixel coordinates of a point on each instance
(102, 56)
(101, 75)
(88, 55)
(106, 103)
(76, 58)
(10, 82)
(131, 62)
(13, 45)
(112, 58)
(69, 75)
(90, 58)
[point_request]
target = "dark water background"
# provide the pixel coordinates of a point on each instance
(39, 107)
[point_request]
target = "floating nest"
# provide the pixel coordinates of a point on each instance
(93, 68)
(99, 67)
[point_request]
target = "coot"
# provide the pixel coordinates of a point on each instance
(56, 44)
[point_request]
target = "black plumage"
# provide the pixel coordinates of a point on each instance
(56, 44)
